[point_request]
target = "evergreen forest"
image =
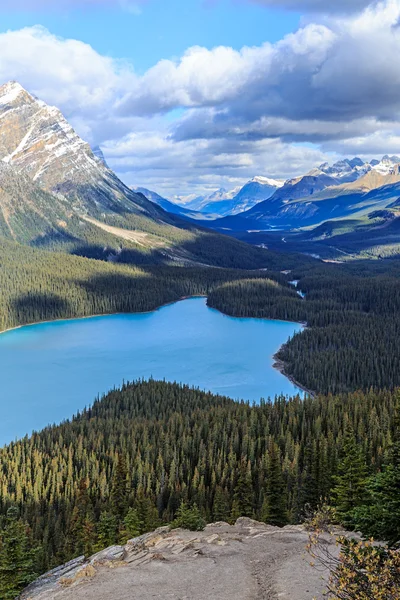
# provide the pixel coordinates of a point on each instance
(137, 456)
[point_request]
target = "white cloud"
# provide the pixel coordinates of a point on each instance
(334, 83)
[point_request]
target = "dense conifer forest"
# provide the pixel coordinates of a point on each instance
(37, 285)
(352, 311)
(126, 464)
(353, 316)
(156, 452)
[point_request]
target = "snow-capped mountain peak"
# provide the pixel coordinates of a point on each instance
(10, 92)
(386, 165)
(38, 141)
(276, 183)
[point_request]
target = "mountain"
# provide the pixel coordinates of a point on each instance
(167, 205)
(221, 202)
(37, 140)
(253, 192)
(346, 170)
(98, 152)
(27, 211)
(198, 203)
(348, 189)
(56, 192)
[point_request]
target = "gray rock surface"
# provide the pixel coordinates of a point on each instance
(247, 561)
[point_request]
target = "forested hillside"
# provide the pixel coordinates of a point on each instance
(126, 464)
(352, 311)
(353, 316)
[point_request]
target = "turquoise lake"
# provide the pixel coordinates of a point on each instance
(50, 371)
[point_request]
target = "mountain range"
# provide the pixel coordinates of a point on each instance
(350, 201)
(349, 208)
(218, 203)
(56, 192)
(265, 199)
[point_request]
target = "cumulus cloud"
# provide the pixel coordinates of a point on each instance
(338, 71)
(68, 74)
(334, 83)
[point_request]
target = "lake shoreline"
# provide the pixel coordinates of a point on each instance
(98, 316)
(278, 364)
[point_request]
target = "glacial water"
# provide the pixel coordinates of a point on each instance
(50, 371)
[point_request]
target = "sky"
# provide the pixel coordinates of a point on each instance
(187, 96)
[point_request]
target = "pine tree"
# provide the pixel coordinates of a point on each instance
(243, 493)
(16, 557)
(380, 516)
(220, 509)
(119, 490)
(132, 525)
(274, 509)
(349, 490)
(106, 529)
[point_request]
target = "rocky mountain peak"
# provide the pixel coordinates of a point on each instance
(12, 92)
(38, 141)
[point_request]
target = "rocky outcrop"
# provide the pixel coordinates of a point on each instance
(249, 560)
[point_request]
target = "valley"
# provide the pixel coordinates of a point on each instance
(234, 436)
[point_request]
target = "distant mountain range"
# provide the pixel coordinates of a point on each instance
(349, 208)
(273, 201)
(56, 192)
(348, 202)
(219, 203)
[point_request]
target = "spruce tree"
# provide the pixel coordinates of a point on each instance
(147, 512)
(220, 510)
(274, 509)
(242, 505)
(349, 490)
(106, 529)
(80, 537)
(16, 557)
(379, 517)
(189, 518)
(119, 490)
(132, 525)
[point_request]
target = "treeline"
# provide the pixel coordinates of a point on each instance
(353, 316)
(37, 285)
(126, 464)
(352, 311)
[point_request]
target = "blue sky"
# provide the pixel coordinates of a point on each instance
(187, 96)
(160, 29)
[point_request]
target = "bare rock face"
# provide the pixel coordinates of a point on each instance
(39, 142)
(246, 561)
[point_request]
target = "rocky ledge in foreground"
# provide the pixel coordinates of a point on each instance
(248, 560)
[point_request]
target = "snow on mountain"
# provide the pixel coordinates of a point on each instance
(386, 165)
(346, 170)
(222, 202)
(276, 183)
(38, 141)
